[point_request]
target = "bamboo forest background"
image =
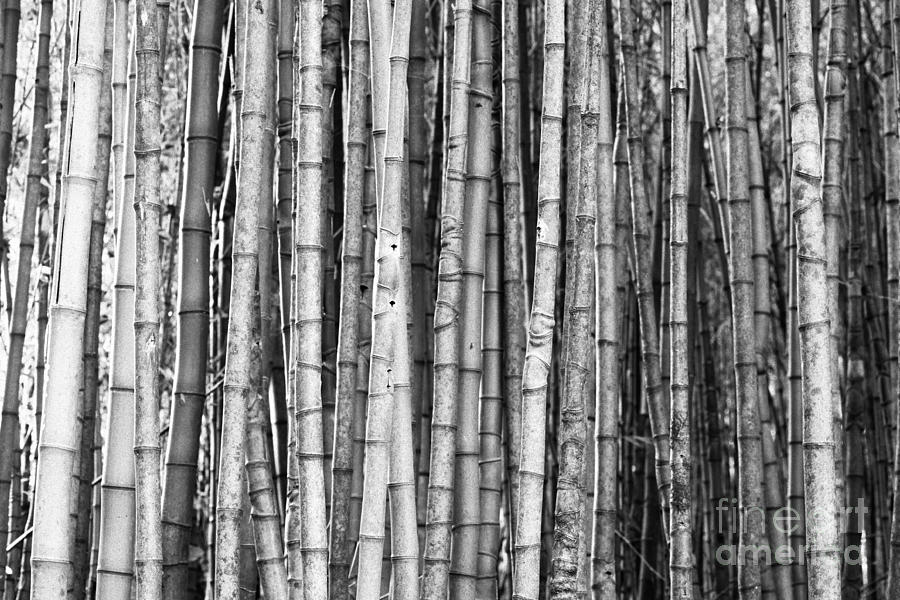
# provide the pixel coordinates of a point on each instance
(306, 299)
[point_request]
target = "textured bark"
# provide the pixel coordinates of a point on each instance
(239, 384)
(9, 426)
(61, 429)
(183, 444)
(650, 367)
(539, 351)
(749, 435)
(341, 552)
(147, 206)
(447, 333)
(823, 567)
(681, 560)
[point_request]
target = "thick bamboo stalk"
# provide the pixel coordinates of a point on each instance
(201, 145)
(577, 354)
(447, 333)
(651, 375)
(681, 561)
(539, 351)
(740, 271)
(91, 400)
(115, 562)
(9, 425)
(60, 433)
(341, 551)
(147, 148)
(818, 444)
(306, 337)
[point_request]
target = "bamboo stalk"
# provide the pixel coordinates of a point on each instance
(681, 563)
(91, 408)
(306, 338)
(183, 444)
(447, 333)
(819, 477)
(61, 429)
(538, 355)
(349, 337)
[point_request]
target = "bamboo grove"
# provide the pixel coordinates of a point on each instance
(466, 300)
